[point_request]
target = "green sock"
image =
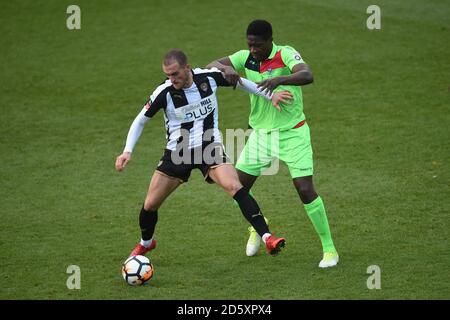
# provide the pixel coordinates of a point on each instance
(318, 216)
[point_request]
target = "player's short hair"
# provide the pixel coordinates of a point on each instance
(175, 55)
(260, 28)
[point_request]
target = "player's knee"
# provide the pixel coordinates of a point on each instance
(151, 205)
(306, 192)
(232, 188)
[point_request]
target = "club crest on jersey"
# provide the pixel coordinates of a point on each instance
(204, 86)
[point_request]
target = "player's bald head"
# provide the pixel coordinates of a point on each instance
(175, 55)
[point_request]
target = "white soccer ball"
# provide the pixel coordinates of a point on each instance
(137, 270)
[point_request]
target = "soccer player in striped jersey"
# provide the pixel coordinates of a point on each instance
(188, 99)
(274, 68)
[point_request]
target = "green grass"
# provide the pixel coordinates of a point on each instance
(379, 117)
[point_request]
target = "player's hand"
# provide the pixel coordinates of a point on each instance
(232, 76)
(281, 97)
(122, 160)
(269, 85)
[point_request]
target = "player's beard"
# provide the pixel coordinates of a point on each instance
(183, 83)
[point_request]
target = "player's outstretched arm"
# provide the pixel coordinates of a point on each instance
(133, 136)
(220, 64)
(301, 75)
(224, 64)
(276, 98)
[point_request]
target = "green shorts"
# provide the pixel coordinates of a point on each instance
(265, 147)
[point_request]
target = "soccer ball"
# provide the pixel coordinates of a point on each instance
(137, 270)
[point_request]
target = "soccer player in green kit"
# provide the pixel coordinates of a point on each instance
(277, 68)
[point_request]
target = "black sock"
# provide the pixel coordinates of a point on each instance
(147, 222)
(251, 211)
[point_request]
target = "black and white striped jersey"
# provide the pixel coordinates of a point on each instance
(190, 114)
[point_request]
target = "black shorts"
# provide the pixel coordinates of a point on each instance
(179, 165)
